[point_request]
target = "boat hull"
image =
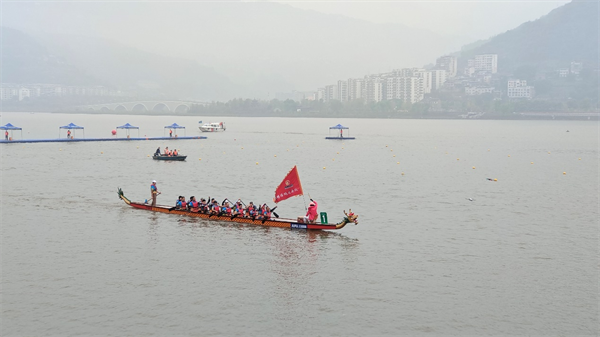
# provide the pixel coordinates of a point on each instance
(169, 158)
(242, 220)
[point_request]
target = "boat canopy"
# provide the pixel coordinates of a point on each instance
(9, 126)
(71, 126)
(174, 126)
(12, 128)
(339, 127)
(128, 126)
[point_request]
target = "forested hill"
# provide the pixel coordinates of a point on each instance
(568, 33)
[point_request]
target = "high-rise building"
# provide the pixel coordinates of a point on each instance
(438, 77)
(355, 88)
(373, 89)
(342, 90)
(519, 89)
(330, 92)
(448, 63)
(486, 62)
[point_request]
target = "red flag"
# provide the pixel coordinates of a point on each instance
(289, 187)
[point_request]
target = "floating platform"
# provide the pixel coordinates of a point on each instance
(66, 140)
(341, 138)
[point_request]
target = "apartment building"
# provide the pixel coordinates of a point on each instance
(473, 91)
(355, 88)
(449, 64)
(342, 90)
(519, 89)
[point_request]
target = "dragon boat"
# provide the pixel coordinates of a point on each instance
(283, 223)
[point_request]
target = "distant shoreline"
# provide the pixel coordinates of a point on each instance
(591, 116)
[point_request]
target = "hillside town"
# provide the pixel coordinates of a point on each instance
(479, 76)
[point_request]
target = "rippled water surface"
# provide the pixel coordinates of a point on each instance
(520, 258)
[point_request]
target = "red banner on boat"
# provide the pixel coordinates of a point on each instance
(289, 187)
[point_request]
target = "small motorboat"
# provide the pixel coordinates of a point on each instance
(212, 127)
(171, 158)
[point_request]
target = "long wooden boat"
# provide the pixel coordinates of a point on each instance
(173, 158)
(283, 223)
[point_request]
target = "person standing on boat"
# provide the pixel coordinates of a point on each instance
(6, 134)
(68, 134)
(154, 191)
(170, 133)
(311, 213)
(157, 153)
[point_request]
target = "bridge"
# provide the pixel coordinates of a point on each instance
(141, 106)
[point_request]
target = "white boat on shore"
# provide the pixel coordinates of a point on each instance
(212, 127)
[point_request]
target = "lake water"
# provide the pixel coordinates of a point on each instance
(520, 258)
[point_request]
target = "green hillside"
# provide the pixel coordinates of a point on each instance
(568, 33)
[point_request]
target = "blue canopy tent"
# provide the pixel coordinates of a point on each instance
(71, 126)
(175, 126)
(341, 128)
(128, 127)
(11, 128)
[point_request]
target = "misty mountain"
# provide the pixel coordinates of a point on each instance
(263, 46)
(568, 33)
(78, 60)
(26, 59)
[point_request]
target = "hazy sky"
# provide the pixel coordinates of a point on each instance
(474, 19)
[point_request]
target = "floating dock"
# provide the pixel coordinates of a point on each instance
(67, 140)
(341, 138)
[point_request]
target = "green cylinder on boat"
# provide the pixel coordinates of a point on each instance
(324, 218)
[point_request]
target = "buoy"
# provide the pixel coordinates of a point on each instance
(288, 150)
(386, 146)
(101, 152)
(324, 167)
(223, 152)
(59, 149)
(548, 152)
(333, 159)
(199, 158)
(339, 153)
(495, 179)
(509, 155)
(242, 148)
(532, 163)
(114, 132)
(391, 150)
(256, 163)
(488, 150)
(275, 156)
(564, 173)
(402, 173)
(394, 156)
(473, 167)
(397, 162)
(147, 155)
(457, 158)
(579, 158)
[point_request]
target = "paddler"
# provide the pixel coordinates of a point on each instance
(193, 204)
(154, 191)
